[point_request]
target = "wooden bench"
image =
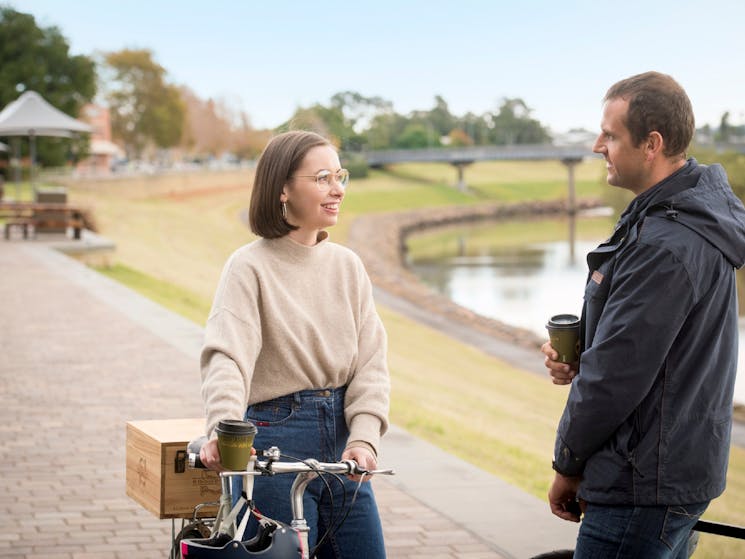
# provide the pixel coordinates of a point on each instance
(24, 224)
(34, 218)
(41, 222)
(30, 225)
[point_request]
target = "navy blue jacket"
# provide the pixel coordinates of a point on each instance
(648, 418)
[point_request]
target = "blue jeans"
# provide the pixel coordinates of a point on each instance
(311, 424)
(625, 532)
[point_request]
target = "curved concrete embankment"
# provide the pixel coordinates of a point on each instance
(380, 239)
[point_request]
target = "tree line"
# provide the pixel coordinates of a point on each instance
(150, 116)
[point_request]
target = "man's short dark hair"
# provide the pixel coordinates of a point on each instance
(656, 103)
(278, 162)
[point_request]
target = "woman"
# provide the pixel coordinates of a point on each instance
(294, 343)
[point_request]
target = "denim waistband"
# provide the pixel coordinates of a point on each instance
(315, 394)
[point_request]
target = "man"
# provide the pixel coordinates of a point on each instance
(644, 439)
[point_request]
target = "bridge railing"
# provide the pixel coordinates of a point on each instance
(522, 152)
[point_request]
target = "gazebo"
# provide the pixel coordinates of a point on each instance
(30, 115)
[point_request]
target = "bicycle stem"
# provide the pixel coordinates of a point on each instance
(299, 523)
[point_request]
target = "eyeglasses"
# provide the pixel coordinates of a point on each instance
(324, 178)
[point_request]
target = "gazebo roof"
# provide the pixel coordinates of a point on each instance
(31, 115)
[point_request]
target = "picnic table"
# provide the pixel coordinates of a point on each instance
(33, 217)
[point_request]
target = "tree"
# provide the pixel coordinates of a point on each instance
(476, 127)
(343, 121)
(416, 136)
(213, 128)
(206, 130)
(359, 110)
(459, 138)
(329, 122)
(723, 134)
(513, 125)
(249, 142)
(39, 59)
(384, 129)
(145, 109)
(440, 117)
(319, 119)
(355, 122)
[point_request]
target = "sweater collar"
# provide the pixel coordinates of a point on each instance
(299, 251)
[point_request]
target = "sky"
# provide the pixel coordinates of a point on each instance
(269, 57)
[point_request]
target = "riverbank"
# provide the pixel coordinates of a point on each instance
(380, 240)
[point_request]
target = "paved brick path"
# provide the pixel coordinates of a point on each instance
(73, 371)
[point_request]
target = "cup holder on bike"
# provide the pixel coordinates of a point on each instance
(262, 539)
(195, 529)
(277, 541)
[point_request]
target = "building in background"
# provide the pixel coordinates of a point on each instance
(103, 152)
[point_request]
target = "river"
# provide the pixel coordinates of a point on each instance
(518, 283)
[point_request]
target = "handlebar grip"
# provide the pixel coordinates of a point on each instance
(192, 450)
(195, 462)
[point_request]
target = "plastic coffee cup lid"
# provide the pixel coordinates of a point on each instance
(562, 321)
(236, 427)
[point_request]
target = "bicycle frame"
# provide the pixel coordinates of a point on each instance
(305, 472)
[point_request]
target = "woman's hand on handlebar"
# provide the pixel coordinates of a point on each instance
(364, 457)
(210, 456)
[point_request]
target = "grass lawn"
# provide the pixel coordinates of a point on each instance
(172, 240)
(177, 299)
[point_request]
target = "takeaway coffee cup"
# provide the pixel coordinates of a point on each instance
(563, 331)
(234, 441)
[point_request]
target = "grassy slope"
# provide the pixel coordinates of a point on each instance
(497, 417)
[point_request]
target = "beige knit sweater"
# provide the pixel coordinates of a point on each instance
(289, 317)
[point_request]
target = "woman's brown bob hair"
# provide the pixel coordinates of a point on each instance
(280, 159)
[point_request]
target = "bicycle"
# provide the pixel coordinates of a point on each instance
(221, 537)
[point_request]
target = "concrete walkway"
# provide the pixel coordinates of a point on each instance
(80, 355)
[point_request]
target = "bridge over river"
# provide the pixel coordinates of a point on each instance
(461, 157)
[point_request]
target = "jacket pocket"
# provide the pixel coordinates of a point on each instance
(697, 457)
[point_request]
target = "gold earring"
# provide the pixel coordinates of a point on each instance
(284, 210)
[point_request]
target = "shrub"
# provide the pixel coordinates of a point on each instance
(357, 167)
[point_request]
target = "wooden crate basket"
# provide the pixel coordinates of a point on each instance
(158, 476)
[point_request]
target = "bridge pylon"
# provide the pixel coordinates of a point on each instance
(460, 166)
(571, 163)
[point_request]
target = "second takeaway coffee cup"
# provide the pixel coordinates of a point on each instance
(563, 331)
(234, 441)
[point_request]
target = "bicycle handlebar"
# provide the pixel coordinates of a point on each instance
(344, 467)
(272, 466)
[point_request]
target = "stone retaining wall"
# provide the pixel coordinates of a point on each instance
(380, 240)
